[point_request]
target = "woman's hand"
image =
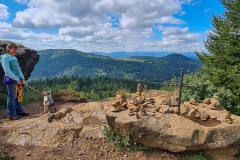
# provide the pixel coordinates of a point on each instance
(23, 82)
(19, 82)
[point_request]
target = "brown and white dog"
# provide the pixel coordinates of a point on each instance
(48, 103)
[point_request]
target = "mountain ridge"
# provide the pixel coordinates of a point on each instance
(67, 62)
(122, 54)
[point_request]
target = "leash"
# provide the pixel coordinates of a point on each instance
(33, 89)
(19, 90)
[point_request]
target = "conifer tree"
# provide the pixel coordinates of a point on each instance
(221, 62)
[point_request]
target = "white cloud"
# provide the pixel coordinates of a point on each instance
(173, 30)
(133, 14)
(177, 37)
(7, 32)
(44, 18)
(102, 25)
(207, 10)
(3, 12)
(21, 1)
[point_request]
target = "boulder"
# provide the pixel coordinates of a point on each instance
(62, 127)
(27, 59)
(177, 133)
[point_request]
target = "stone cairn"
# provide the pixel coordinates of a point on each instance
(139, 105)
(120, 102)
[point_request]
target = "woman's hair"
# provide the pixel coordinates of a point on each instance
(10, 46)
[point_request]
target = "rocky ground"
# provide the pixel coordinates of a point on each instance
(90, 143)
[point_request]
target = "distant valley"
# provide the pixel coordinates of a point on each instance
(67, 62)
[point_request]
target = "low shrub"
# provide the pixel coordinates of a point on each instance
(121, 142)
(201, 88)
(69, 95)
(3, 101)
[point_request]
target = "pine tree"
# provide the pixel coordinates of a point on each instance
(221, 64)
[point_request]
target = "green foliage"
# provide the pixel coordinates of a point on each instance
(26, 100)
(123, 143)
(91, 88)
(199, 157)
(168, 88)
(69, 95)
(238, 155)
(68, 62)
(79, 89)
(205, 89)
(3, 101)
(31, 98)
(140, 135)
(196, 155)
(3, 155)
(72, 86)
(222, 61)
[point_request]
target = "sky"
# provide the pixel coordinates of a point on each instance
(108, 25)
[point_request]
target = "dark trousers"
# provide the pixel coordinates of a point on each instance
(13, 106)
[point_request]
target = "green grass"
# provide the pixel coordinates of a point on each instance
(197, 155)
(3, 154)
(30, 99)
(26, 100)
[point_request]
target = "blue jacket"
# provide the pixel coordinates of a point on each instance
(11, 67)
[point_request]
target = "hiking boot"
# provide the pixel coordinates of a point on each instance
(23, 114)
(14, 117)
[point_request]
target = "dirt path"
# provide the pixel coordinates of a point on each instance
(79, 149)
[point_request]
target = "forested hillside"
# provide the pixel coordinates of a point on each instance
(92, 88)
(67, 62)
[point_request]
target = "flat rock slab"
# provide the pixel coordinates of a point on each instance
(174, 133)
(53, 130)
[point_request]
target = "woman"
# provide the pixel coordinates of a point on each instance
(11, 68)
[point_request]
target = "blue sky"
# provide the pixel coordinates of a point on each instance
(108, 25)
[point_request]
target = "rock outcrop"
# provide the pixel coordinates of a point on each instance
(60, 128)
(175, 133)
(27, 59)
(198, 127)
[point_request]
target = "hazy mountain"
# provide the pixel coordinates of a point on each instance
(66, 62)
(142, 53)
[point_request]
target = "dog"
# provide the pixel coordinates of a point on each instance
(48, 103)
